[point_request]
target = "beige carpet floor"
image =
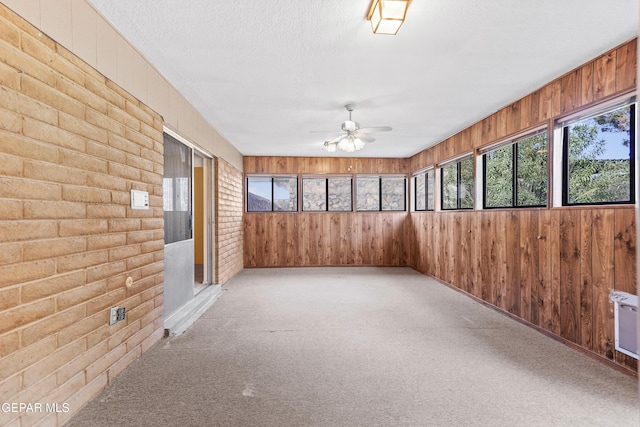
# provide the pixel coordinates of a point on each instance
(360, 346)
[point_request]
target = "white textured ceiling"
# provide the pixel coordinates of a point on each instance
(267, 72)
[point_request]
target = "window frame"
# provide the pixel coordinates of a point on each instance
(380, 178)
(562, 134)
(513, 143)
(326, 179)
(272, 178)
(425, 172)
(457, 161)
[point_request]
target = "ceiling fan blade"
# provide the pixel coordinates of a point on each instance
(364, 137)
(336, 139)
(375, 129)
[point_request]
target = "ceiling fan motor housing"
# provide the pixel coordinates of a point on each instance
(350, 126)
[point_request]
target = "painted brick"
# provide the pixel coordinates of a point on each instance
(123, 334)
(53, 362)
(17, 231)
(8, 344)
(10, 253)
(9, 33)
(82, 260)
(86, 194)
(9, 77)
(10, 209)
(140, 163)
(26, 356)
(99, 88)
(9, 298)
(144, 142)
(103, 271)
(123, 252)
(21, 61)
(10, 165)
(105, 152)
(106, 211)
(82, 95)
(80, 127)
(15, 188)
(26, 147)
(52, 324)
(10, 121)
(123, 117)
(26, 106)
(124, 171)
(124, 224)
(135, 110)
(134, 237)
(105, 362)
(89, 163)
(82, 227)
(47, 94)
(53, 209)
(106, 241)
(107, 182)
(83, 328)
(78, 364)
(123, 144)
(139, 261)
(41, 249)
(123, 363)
(104, 122)
(79, 295)
(24, 272)
(11, 388)
(52, 172)
(25, 314)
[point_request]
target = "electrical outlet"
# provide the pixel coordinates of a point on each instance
(113, 315)
(121, 312)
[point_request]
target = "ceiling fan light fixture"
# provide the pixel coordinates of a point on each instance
(330, 146)
(387, 16)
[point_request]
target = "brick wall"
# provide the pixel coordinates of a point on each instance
(229, 238)
(72, 146)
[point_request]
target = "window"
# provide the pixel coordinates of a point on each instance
(598, 157)
(176, 190)
(326, 194)
(515, 175)
(266, 193)
(375, 193)
(457, 184)
(423, 188)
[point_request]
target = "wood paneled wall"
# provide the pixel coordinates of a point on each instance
(286, 239)
(552, 267)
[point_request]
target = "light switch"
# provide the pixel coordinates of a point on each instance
(139, 199)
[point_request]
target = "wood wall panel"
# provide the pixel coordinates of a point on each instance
(554, 268)
(324, 239)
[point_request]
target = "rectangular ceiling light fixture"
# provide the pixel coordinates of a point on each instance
(387, 16)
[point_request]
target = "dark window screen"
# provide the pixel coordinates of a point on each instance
(176, 190)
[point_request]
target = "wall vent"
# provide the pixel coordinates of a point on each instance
(626, 322)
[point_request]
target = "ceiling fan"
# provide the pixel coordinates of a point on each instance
(353, 137)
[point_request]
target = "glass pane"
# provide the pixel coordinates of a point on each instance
(430, 190)
(259, 194)
(393, 194)
(532, 154)
(340, 194)
(466, 183)
(600, 159)
(176, 188)
(450, 186)
(368, 193)
(314, 194)
(420, 183)
(498, 178)
(285, 194)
